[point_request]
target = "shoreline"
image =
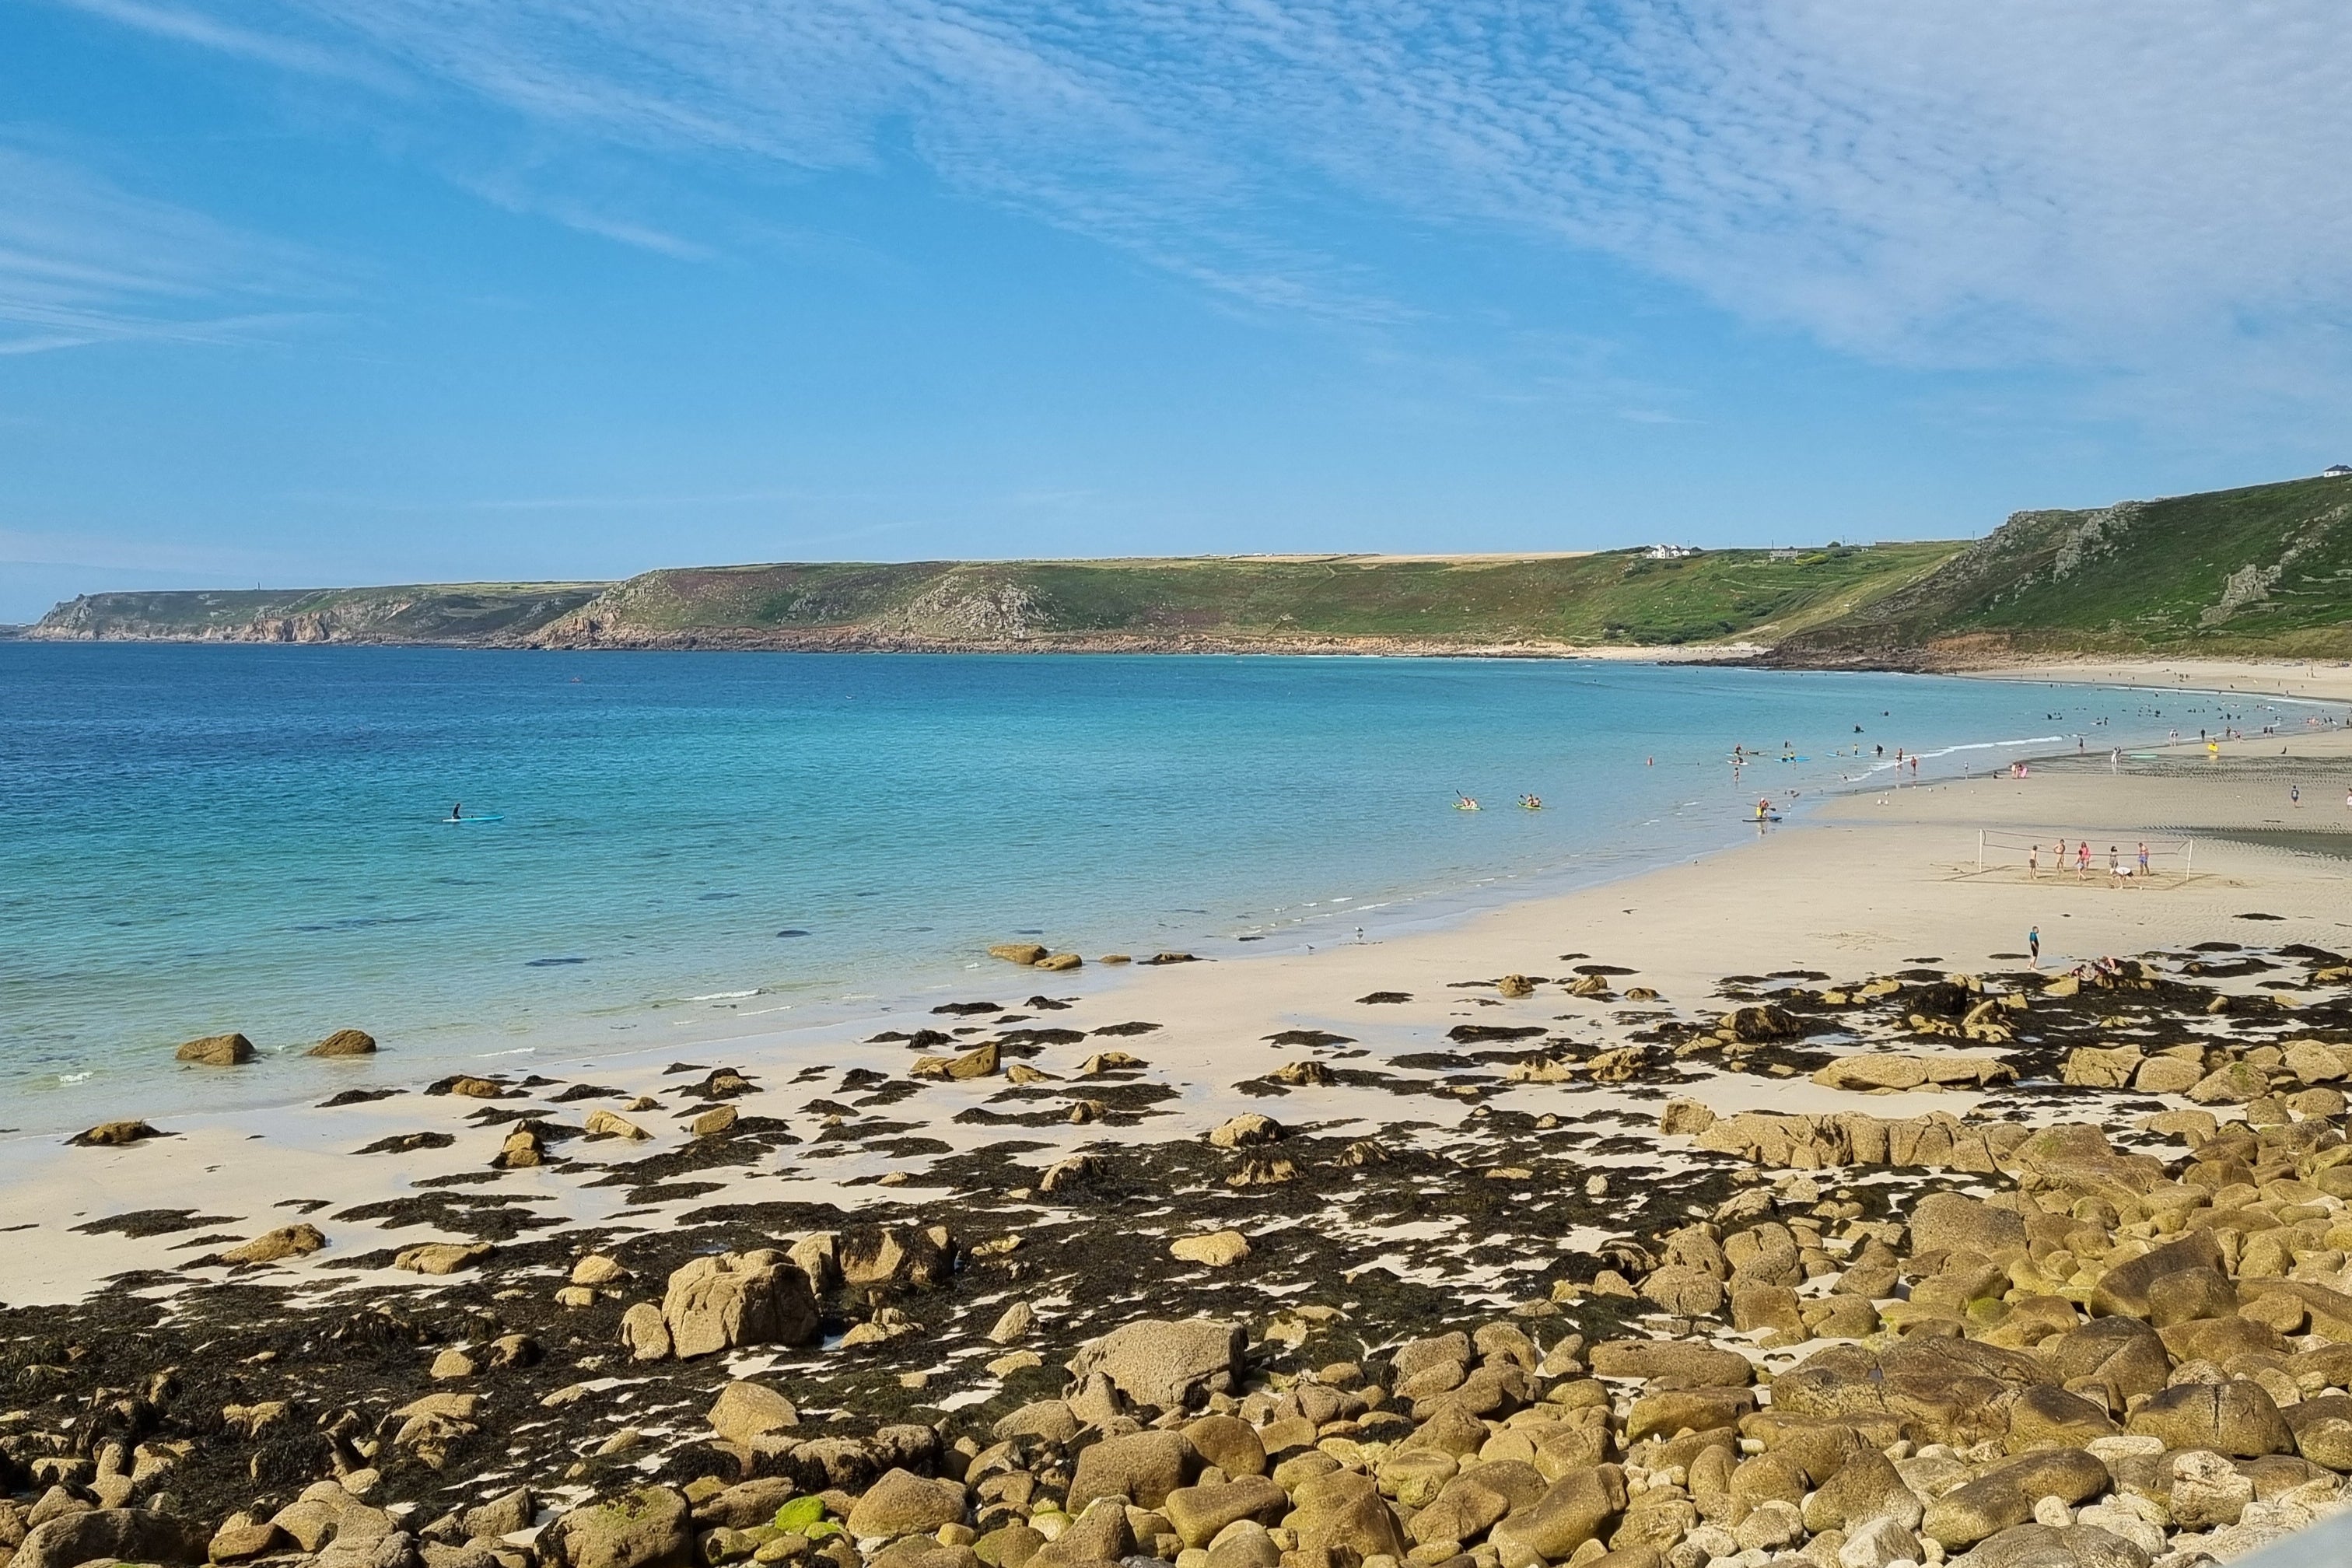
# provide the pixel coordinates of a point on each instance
(672, 1025)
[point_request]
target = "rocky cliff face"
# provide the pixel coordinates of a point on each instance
(463, 614)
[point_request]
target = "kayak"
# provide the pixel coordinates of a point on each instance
(460, 821)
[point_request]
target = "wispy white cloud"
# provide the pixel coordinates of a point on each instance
(82, 261)
(1947, 182)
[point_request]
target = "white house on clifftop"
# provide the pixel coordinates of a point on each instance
(2340, 471)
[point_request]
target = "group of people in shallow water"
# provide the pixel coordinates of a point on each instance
(1470, 801)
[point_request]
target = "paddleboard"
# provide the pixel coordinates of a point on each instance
(461, 821)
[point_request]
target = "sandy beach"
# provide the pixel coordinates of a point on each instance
(1345, 1148)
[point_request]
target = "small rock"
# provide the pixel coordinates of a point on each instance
(1015, 1321)
(745, 1410)
(113, 1135)
(286, 1241)
(216, 1051)
(1217, 1249)
(1246, 1130)
(604, 1123)
(452, 1363)
(441, 1257)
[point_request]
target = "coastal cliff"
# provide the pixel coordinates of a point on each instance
(1339, 604)
(2263, 571)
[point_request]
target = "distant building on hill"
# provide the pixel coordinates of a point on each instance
(1669, 552)
(2340, 471)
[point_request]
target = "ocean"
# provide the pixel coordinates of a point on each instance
(202, 838)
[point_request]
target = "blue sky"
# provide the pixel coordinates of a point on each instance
(317, 291)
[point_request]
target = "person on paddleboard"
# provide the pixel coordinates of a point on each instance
(458, 811)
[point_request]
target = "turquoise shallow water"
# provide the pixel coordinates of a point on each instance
(201, 839)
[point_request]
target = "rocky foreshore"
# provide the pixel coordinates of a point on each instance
(1640, 1285)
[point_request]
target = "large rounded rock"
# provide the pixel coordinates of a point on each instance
(1142, 1467)
(1949, 1222)
(903, 1503)
(133, 1534)
(2122, 1292)
(1672, 1363)
(1868, 1487)
(649, 1528)
(1168, 1365)
(344, 1042)
(1200, 1514)
(2237, 1418)
(2004, 1497)
(216, 1051)
(1345, 1509)
(2059, 1546)
(1579, 1507)
(2048, 1417)
(1229, 1443)
(2121, 1356)
(2186, 1295)
(737, 1299)
(2322, 1430)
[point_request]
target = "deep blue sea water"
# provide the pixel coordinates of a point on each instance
(203, 838)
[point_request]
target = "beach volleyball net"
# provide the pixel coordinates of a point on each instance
(2173, 859)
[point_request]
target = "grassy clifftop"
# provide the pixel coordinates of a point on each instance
(1619, 596)
(2266, 571)
(1340, 601)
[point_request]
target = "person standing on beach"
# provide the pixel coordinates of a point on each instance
(2294, 797)
(2033, 946)
(2143, 857)
(2033, 862)
(2115, 866)
(2082, 858)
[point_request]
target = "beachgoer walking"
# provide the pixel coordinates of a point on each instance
(2033, 946)
(2082, 858)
